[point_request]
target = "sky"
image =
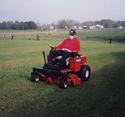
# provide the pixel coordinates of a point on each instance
(49, 11)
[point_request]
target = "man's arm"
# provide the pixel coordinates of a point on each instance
(60, 45)
(51, 46)
(78, 46)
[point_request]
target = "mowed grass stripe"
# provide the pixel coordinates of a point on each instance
(21, 62)
(19, 46)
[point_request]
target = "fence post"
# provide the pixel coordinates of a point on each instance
(38, 37)
(12, 37)
(110, 41)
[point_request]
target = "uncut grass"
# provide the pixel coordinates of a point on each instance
(105, 34)
(32, 35)
(23, 98)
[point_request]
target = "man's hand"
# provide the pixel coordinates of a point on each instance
(51, 46)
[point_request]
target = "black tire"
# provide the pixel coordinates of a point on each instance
(35, 77)
(63, 84)
(84, 73)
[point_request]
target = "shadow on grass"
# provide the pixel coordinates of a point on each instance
(102, 96)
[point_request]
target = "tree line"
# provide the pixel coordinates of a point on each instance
(107, 23)
(18, 25)
(64, 23)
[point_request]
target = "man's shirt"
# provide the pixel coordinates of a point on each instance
(70, 45)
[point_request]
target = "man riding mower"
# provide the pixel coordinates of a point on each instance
(64, 65)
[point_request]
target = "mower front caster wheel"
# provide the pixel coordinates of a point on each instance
(63, 84)
(35, 78)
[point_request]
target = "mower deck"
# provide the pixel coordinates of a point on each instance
(55, 77)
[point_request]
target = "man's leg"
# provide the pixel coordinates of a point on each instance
(64, 55)
(53, 54)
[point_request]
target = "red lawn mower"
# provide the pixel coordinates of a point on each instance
(75, 72)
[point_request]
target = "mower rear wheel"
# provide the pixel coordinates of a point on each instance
(63, 84)
(84, 73)
(35, 78)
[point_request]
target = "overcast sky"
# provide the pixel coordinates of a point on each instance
(48, 11)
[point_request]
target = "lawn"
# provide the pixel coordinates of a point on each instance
(102, 96)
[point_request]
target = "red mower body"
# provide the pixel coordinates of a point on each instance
(77, 62)
(76, 71)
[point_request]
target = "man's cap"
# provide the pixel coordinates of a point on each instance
(72, 32)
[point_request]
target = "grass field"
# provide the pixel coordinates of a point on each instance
(102, 96)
